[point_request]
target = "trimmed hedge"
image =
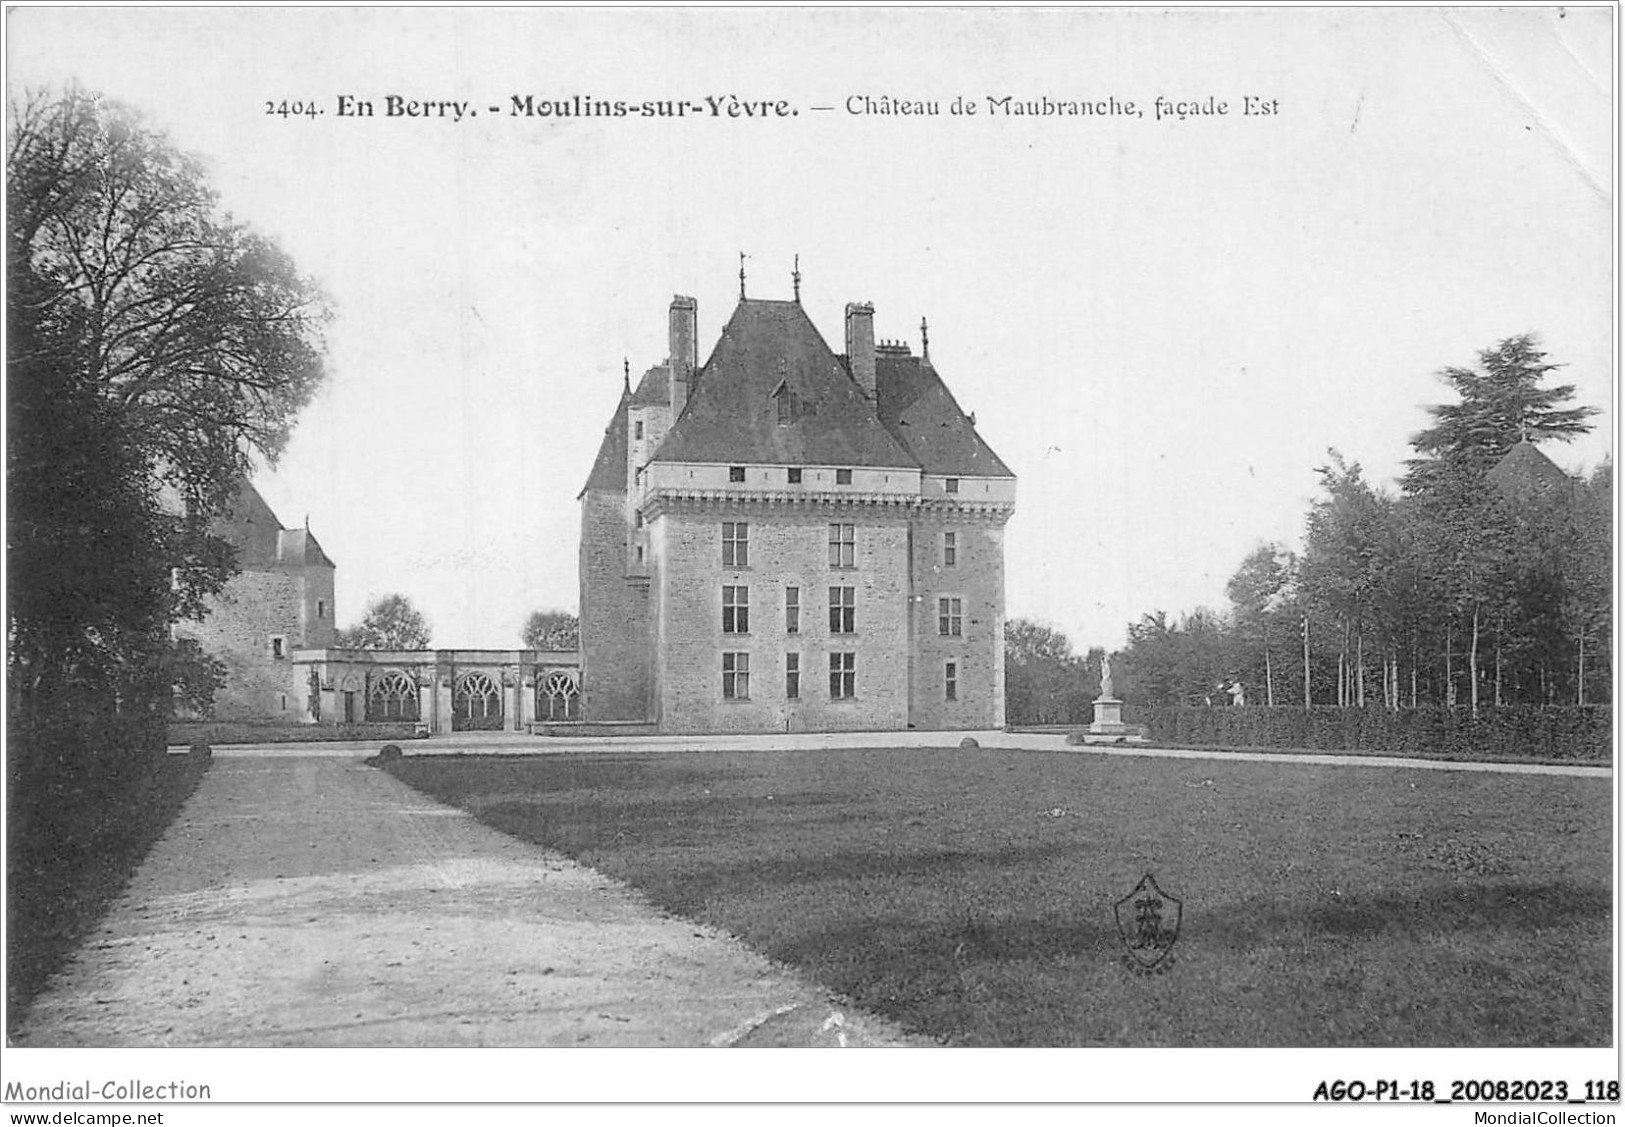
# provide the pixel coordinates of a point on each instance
(1515, 732)
(224, 732)
(81, 819)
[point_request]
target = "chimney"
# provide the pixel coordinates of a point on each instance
(860, 344)
(681, 361)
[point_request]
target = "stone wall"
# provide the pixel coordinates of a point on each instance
(254, 609)
(614, 614)
(789, 547)
(976, 578)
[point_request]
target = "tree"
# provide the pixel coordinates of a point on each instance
(1044, 681)
(1501, 402)
(1150, 671)
(1589, 608)
(194, 678)
(551, 630)
(391, 623)
(1467, 541)
(1347, 547)
(155, 348)
(1261, 591)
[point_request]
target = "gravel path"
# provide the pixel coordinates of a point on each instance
(315, 901)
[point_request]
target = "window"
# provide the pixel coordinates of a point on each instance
(793, 475)
(279, 647)
(950, 681)
(637, 430)
(950, 485)
(792, 676)
(393, 696)
(842, 675)
(735, 544)
(321, 608)
(950, 549)
(736, 473)
(950, 618)
(558, 697)
(736, 610)
(842, 543)
(736, 676)
(640, 553)
(792, 610)
(283, 698)
(843, 477)
(842, 610)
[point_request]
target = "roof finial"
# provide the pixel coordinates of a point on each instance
(741, 275)
(925, 340)
(626, 375)
(795, 279)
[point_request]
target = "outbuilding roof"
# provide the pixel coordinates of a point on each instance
(1524, 471)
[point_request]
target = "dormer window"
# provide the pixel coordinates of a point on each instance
(736, 473)
(793, 475)
(950, 485)
(785, 403)
(843, 477)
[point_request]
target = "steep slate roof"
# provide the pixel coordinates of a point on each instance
(254, 530)
(917, 407)
(732, 416)
(250, 526)
(654, 388)
(298, 545)
(1524, 470)
(609, 470)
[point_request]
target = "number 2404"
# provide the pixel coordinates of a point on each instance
(291, 109)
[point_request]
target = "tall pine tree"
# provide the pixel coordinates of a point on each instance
(1501, 402)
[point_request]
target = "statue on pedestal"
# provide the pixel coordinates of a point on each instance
(1108, 709)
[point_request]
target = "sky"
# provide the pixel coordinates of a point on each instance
(1161, 326)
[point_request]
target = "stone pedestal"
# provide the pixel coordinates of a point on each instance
(1109, 718)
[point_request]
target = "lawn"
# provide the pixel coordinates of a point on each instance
(969, 895)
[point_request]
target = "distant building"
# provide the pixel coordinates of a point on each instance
(787, 539)
(280, 601)
(273, 628)
(1524, 474)
(442, 690)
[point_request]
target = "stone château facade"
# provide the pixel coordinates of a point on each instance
(280, 601)
(787, 539)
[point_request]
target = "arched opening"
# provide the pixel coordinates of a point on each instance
(477, 704)
(558, 697)
(393, 696)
